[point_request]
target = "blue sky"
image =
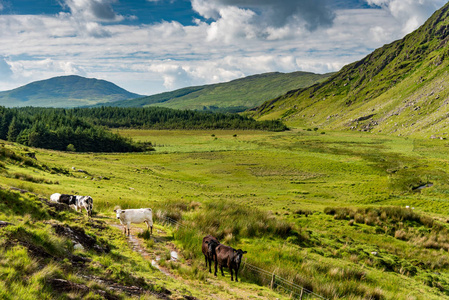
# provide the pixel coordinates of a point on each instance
(151, 46)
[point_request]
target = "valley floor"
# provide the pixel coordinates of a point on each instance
(325, 210)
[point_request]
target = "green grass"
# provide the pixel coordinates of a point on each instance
(326, 211)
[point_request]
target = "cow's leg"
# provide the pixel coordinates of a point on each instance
(221, 269)
(210, 265)
(148, 225)
(230, 270)
(236, 271)
(215, 273)
(151, 232)
(205, 260)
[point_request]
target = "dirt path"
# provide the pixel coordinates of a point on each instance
(137, 246)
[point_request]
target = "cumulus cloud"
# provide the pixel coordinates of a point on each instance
(410, 13)
(275, 13)
(263, 19)
(93, 10)
(87, 16)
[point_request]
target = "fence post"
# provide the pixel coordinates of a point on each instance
(273, 278)
(302, 292)
(246, 261)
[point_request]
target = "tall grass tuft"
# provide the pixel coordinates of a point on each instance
(222, 219)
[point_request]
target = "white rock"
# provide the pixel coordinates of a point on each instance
(78, 246)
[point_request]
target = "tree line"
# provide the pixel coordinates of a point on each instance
(166, 118)
(86, 129)
(60, 130)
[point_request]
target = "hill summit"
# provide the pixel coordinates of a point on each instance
(401, 88)
(65, 91)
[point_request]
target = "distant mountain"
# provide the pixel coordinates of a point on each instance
(234, 96)
(401, 88)
(65, 91)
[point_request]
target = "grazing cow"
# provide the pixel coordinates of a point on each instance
(64, 198)
(85, 202)
(128, 216)
(208, 248)
(230, 258)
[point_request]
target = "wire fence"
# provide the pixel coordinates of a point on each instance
(172, 222)
(272, 280)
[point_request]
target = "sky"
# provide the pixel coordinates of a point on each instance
(153, 46)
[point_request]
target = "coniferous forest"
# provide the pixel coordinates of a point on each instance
(86, 129)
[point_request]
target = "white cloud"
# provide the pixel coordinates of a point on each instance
(93, 10)
(262, 19)
(410, 13)
(273, 13)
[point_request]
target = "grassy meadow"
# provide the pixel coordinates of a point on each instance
(326, 210)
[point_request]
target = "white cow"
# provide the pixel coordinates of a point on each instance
(85, 202)
(128, 216)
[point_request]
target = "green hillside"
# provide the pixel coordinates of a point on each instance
(400, 88)
(64, 91)
(234, 96)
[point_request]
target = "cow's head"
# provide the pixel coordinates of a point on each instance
(238, 255)
(211, 245)
(118, 212)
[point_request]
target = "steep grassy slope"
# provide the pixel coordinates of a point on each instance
(236, 95)
(64, 91)
(400, 88)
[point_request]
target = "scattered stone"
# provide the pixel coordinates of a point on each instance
(78, 246)
(80, 237)
(20, 190)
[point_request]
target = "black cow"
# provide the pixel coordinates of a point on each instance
(208, 248)
(230, 258)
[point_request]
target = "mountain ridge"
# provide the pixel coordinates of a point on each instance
(232, 96)
(65, 91)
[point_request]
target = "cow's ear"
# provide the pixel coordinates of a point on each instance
(245, 252)
(122, 211)
(115, 210)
